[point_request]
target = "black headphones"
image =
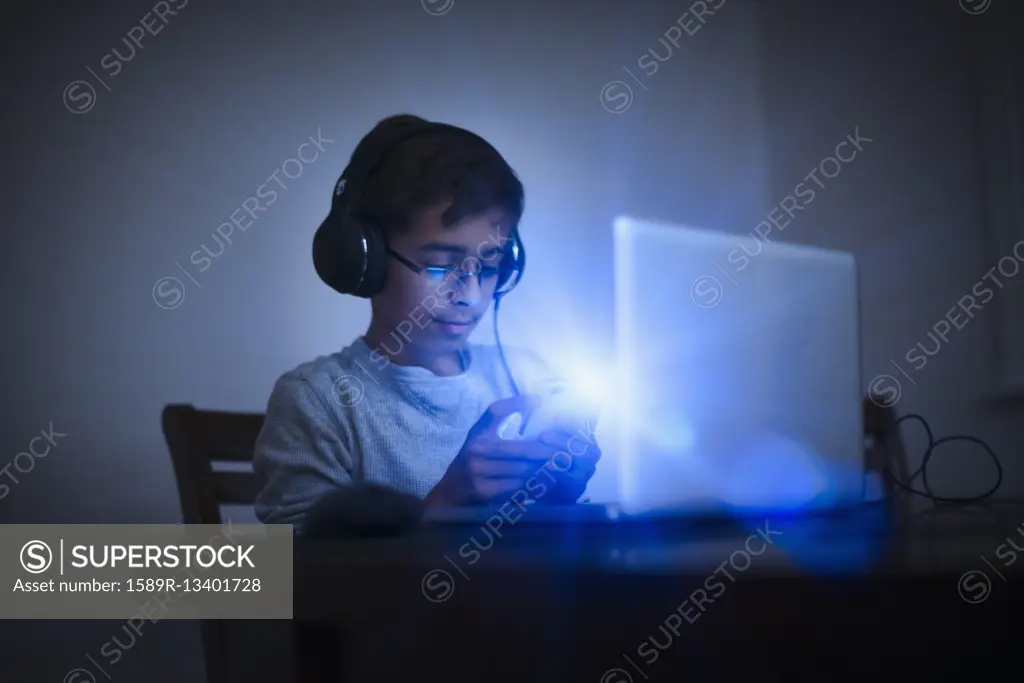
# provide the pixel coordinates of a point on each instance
(351, 256)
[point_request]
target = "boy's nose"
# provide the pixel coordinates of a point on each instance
(468, 294)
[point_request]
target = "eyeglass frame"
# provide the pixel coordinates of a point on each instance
(482, 272)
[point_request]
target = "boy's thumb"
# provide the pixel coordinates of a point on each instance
(501, 409)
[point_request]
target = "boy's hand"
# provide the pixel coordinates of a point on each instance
(489, 467)
(576, 463)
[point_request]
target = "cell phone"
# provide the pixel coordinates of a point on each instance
(561, 411)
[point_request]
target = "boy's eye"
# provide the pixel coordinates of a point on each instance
(438, 272)
(486, 271)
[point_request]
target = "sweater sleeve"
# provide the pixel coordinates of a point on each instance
(300, 454)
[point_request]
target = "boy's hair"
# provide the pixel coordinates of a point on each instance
(428, 169)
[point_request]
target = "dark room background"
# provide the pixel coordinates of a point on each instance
(119, 168)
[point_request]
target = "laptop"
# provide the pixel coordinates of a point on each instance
(739, 372)
(738, 381)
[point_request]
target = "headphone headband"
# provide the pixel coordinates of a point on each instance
(362, 167)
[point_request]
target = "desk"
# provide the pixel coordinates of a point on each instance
(848, 596)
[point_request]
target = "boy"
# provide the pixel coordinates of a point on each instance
(411, 404)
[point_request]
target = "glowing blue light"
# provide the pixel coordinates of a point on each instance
(775, 471)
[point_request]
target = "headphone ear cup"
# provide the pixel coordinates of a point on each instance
(349, 256)
(511, 269)
(337, 255)
(376, 262)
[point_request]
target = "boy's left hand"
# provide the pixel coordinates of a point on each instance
(580, 454)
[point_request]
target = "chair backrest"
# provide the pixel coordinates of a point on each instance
(199, 441)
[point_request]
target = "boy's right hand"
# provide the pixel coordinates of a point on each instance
(489, 467)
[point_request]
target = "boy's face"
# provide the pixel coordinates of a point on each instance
(431, 311)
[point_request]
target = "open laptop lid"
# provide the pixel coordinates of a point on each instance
(740, 371)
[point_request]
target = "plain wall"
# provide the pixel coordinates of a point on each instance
(102, 204)
(910, 207)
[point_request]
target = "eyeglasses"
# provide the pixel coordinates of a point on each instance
(461, 273)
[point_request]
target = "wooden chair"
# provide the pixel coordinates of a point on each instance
(199, 440)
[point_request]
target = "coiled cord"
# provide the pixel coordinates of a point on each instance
(922, 470)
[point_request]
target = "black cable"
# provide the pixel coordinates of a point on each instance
(922, 471)
(501, 351)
